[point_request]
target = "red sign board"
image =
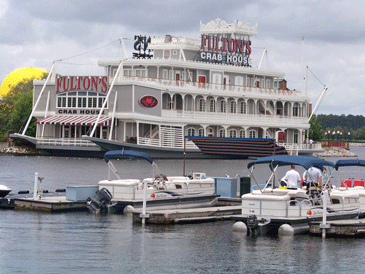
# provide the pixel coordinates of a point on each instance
(148, 101)
(82, 83)
(281, 137)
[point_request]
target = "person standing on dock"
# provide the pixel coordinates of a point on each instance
(292, 177)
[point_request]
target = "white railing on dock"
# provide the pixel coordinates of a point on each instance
(167, 143)
(292, 148)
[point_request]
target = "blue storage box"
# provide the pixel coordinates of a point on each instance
(80, 193)
(226, 187)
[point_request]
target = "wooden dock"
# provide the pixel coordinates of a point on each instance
(188, 215)
(49, 204)
(340, 228)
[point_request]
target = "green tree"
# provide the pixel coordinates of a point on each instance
(315, 131)
(16, 107)
(361, 134)
(19, 116)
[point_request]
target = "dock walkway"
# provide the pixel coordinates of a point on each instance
(49, 204)
(340, 228)
(188, 215)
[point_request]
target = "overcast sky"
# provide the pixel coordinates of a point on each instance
(36, 33)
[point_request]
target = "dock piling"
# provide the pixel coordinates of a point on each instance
(35, 186)
(143, 216)
(324, 224)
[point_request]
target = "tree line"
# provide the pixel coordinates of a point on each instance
(15, 108)
(342, 127)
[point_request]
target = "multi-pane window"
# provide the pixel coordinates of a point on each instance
(191, 131)
(81, 99)
(127, 72)
(201, 106)
(233, 133)
(212, 105)
(201, 132)
(296, 136)
(165, 74)
(140, 72)
(242, 133)
(296, 109)
(243, 107)
(222, 133)
(222, 106)
(233, 107)
(252, 134)
(238, 80)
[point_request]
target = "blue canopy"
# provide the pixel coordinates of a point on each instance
(117, 154)
(349, 162)
(286, 160)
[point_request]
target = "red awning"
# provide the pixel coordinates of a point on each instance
(80, 120)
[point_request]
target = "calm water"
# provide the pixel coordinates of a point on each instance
(85, 243)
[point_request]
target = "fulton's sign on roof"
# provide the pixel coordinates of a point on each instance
(82, 83)
(219, 49)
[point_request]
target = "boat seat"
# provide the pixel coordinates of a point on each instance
(347, 182)
(359, 183)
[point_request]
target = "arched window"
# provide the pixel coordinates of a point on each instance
(201, 106)
(252, 134)
(210, 131)
(295, 109)
(222, 106)
(166, 101)
(191, 131)
(212, 105)
(233, 106)
(233, 133)
(222, 133)
(201, 132)
(243, 107)
(242, 133)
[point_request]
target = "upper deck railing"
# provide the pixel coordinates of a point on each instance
(207, 87)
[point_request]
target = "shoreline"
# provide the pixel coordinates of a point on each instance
(335, 152)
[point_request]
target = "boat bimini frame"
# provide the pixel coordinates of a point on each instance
(286, 160)
(127, 154)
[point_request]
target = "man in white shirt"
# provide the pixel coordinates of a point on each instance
(312, 176)
(292, 177)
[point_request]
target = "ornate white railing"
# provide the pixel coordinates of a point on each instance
(292, 147)
(208, 87)
(233, 116)
(65, 142)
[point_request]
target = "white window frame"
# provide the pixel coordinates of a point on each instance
(238, 80)
(191, 131)
(233, 133)
(222, 132)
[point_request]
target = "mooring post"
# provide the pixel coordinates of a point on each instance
(324, 224)
(144, 205)
(35, 186)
